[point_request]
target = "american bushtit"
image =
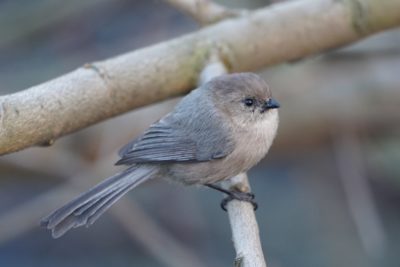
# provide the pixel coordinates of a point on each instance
(218, 131)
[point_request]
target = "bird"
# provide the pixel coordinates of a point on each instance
(219, 130)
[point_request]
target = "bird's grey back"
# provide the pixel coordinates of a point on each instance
(192, 132)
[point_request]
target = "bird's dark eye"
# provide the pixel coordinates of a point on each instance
(249, 102)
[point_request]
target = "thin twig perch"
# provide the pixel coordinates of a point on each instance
(245, 231)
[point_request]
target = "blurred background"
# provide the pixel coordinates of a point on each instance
(328, 192)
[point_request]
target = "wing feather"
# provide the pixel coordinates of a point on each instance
(193, 132)
(169, 142)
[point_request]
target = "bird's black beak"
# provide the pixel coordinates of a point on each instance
(270, 104)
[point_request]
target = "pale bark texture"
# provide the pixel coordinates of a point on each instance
(97, 91)
(244, 226)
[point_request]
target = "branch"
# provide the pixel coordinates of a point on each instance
(245, 234)
(204, 11)
(98, 91)
(358, 193)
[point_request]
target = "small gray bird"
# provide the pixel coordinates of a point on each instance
(218, 131)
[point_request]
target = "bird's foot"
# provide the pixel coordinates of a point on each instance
(241, 196)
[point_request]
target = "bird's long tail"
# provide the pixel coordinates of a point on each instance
(87, 208)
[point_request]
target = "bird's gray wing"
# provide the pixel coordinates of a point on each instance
(177, 141)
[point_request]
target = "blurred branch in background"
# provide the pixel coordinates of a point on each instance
(362, 207)
(327, 96)
(163, 246)
(47, 14)
(133, 220)
(55, 163)
(204, 11)
(282, 32)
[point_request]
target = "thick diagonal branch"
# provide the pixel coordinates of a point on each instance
(95, 92)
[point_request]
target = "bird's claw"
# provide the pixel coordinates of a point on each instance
(241, 196)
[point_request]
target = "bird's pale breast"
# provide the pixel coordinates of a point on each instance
(251, 145)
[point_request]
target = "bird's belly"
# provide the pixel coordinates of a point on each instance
(250, 148)
(203, 172)
(240, 160)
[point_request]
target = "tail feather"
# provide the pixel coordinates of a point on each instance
(108, 203)
(86, 198)
(84, 207)
(88, 207)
